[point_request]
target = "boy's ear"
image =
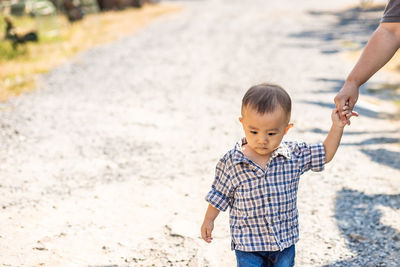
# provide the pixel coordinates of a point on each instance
(241, 119)
(290, 125)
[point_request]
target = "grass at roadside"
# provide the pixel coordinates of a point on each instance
(18, 68)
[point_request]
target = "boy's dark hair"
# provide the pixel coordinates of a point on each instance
(265, 98)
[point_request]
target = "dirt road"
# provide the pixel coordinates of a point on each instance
(108, 163)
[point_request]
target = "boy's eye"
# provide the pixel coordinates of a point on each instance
(253, 132)
(271, 133)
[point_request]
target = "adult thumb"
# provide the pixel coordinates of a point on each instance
(339, 101)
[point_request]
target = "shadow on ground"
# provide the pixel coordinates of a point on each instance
(329, 85)
(353, 25)
(359, 218)
(374, 141)
(349, 132)
(384, 91)
(380, 155)
(361, 110)
(383, 156)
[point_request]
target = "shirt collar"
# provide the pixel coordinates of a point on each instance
(239, 157)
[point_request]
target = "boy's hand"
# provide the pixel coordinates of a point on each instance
(345, 113)
(206, 229)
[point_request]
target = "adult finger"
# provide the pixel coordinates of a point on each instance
(340, 102)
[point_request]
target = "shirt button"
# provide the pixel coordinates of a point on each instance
(272, 223)
(269, 199)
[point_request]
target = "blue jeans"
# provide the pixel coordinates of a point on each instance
(284, 258)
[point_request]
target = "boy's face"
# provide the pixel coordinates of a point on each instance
(264, 132)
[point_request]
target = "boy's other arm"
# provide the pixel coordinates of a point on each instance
(381, 47)
(332, 141)
(208, 223)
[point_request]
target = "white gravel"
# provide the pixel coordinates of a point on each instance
(108, 162)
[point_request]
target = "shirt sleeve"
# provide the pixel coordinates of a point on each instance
(221, 189)
(312, 157)
(392, 12)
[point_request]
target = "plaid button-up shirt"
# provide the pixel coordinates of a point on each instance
(263, 210)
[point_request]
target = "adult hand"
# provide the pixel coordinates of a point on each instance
(347, 96)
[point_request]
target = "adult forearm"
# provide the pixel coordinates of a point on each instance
(379, 50)
(332, 142)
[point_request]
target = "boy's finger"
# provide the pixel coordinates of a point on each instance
(204, 234)
(208, 235)
(349, 115)
(351, 104)
(342, 115)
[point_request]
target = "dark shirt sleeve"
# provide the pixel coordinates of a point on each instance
(221, 189)
(392, 12)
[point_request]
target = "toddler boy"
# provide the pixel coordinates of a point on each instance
(258, 179)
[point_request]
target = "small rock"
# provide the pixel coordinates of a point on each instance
(40, 248)
(357, 237)
(396, 237)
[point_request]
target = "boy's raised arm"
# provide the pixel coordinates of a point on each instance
(332, 141)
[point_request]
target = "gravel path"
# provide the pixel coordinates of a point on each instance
(108, 163)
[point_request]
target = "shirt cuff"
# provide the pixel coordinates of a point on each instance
(217, 199)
